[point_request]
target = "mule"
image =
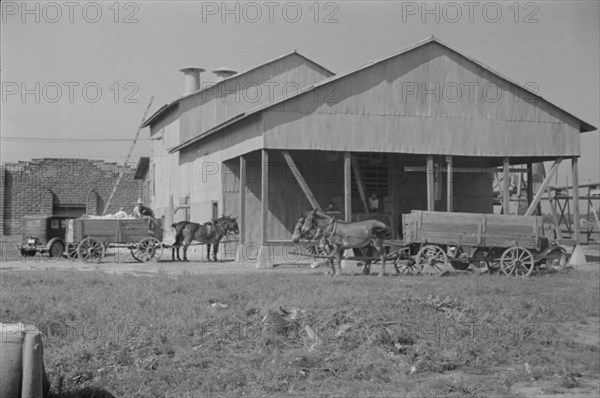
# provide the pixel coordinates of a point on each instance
(342, 235)
(314, 236)
(178, 238)
(209, 233)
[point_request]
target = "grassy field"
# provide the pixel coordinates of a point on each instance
(308, 335)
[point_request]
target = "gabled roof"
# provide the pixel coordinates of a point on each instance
(584, 126)
(162, 110)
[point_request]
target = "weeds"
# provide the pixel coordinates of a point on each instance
(273, 335)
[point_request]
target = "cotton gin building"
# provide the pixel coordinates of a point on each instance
(425, 128)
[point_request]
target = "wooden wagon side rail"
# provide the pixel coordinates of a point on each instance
(471, 229)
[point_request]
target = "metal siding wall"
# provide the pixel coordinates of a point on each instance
(166, 168)
(204, 184)
(376, 112)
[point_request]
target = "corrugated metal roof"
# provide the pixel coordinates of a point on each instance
(584, 127)
(156, 115)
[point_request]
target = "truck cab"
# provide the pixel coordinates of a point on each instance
(43, 234)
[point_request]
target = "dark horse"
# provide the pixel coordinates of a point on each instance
(340, 236)
(209, 233)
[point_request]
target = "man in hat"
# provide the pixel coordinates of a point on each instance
(139, 211)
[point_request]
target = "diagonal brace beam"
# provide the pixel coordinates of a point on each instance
(301, 181)
(543, 187)
(360, 183)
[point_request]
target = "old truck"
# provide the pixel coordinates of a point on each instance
(44, 234)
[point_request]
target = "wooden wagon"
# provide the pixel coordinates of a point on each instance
(514, 244)
(89, 238)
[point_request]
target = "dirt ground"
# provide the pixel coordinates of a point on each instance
(120, 262)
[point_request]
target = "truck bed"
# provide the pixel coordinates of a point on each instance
(112, 230)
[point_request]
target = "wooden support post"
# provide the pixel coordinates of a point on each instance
(360, 183)
(301, 181)
(505, 186)
(264, 260)
(242, 211)
(542, 188)
(529, 184)
(449, 185)
(520, 178)
(575, 172)
(348, 186)
(430, 184)
(394, 166)
(557, 227)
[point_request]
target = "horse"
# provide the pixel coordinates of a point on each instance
(208, 233)
(343, 235)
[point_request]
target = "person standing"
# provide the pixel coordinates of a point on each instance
(373, 203)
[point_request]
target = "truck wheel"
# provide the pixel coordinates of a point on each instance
(56, 250)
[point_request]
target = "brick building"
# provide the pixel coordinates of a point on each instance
(70, 187)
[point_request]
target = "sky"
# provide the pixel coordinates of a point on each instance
(78, 76)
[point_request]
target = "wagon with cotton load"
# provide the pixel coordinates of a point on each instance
(89, 238)
(513, 244)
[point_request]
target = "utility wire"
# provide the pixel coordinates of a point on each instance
(72, 139)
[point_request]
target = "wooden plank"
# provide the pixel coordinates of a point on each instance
(450, 227)
(449, 185)
(542, 188)
(347, 186)
(506, 241)
(507, 229)
(360, 183)
(301, 181)
(575, 172)
(505, 187)
(430, 184)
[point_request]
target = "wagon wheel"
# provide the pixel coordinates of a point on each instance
(410, 267)
(71, 251)
(556, 260)
(517, 261)
(90, 249)
(147, 249)
(432, 260)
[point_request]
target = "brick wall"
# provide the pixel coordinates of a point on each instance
(37, 186)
